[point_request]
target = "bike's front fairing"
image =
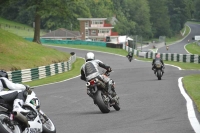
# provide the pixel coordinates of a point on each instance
(32, 103)
(158, 65)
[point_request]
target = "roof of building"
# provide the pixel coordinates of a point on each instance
(61, 32)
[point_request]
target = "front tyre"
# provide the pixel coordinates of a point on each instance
(6, 128)
(47, 124)
(116, 106)
(159, 74)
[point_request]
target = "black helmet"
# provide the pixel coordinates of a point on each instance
(3, 74)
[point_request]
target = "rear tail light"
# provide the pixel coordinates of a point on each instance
(92, 82)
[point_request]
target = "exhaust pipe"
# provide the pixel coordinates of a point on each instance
(88, 84)
(21, 117)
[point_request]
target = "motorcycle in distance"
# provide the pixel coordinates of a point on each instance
(130, 56)
(100, 95)
(158, 69)
(16, 122)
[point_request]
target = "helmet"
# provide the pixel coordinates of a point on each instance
(89, 56)
(3, 74)
(158, 56)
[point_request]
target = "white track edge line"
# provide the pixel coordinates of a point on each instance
(190, 109)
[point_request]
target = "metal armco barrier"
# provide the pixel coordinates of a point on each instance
(27, 75)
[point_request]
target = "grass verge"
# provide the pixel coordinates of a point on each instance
(17, 53)
(193, 48)
(191, 84)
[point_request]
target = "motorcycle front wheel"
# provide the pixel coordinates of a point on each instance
(47, 124)
(116, 106)
(159, 74)
(130, 59)
(5, 127)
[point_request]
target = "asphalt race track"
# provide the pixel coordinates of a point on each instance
(179, 46)
(147, 105)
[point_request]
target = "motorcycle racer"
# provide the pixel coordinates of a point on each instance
(89, 70)
(14, 89)
(157, 59)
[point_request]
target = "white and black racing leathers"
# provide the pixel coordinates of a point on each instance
(15, 91)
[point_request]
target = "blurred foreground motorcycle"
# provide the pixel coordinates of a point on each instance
(35, 121)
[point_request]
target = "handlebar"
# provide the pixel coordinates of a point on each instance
(107, 73)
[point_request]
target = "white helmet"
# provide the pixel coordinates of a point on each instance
(89, 56)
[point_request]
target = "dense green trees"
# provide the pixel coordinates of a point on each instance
(148, 18)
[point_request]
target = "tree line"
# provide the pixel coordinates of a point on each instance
(148, 18)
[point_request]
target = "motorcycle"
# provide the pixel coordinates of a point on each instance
(130, 56)
(16, 122)
(98, 91)
(158, 69)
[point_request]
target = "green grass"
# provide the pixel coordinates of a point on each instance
(195, 22)
(192, 83)
(178, 36)
(18, 28)
(17, 53)
(193, 48)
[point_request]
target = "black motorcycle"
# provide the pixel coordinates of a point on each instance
(99, 93)
(158, 69)
(130, 56)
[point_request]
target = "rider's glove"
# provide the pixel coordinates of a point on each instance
(27, 87)
(109, 69)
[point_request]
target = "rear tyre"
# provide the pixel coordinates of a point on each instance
(101, 102)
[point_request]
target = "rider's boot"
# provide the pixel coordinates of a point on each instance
(26, 130)
(112, 92)
(17, 106)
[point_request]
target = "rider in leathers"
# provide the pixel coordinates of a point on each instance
(89, 70)
(14, 89)
(159, 59)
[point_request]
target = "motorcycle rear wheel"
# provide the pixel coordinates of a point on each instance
(4, 128)
(101, 103)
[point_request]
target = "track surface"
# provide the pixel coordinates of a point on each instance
(147, 105)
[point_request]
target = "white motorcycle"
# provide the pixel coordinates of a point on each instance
(35, 121)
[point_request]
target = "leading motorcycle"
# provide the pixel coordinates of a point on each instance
(98, 91)
(15, 122)
(158, 69)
